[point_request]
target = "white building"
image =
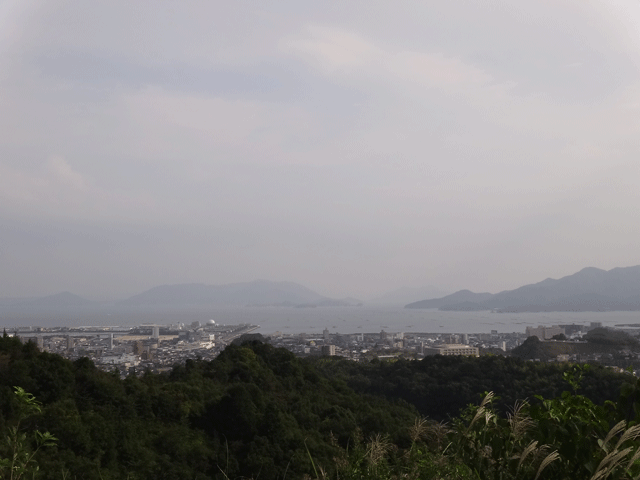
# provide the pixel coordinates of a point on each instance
(452, 349)
(124, 359)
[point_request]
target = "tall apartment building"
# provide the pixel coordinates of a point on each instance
(328, 350)
(544, 333)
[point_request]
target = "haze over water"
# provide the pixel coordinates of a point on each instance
(370, 319)
(315, 320)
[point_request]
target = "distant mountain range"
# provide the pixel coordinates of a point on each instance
(589, 290)
(404, 295)
(256, 293)
(63, 299)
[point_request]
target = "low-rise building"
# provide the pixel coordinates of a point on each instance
(452, 349)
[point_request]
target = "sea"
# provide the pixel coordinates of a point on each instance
(348, 320)
(292, 320)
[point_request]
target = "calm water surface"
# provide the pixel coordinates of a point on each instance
(336, 319)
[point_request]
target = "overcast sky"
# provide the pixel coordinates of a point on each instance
(354, 147)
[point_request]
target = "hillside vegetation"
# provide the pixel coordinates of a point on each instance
(259, 412)
(616, 345)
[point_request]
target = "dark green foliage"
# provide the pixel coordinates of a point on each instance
(608, 336)
(441, 386)
(566, 437)
(248, 338)
(20, 446)
(260, 412)
(247, 413)
(612, 347)
(532, 348)
(557, 439)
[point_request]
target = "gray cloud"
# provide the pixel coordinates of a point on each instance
(351, 146)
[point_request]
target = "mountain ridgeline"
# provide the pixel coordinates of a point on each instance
(62, 299)
(589, 290)
(401, 296)
(257, 293)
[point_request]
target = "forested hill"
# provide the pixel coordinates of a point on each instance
(253, 412)
(440, 386)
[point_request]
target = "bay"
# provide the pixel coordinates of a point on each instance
(289, 320)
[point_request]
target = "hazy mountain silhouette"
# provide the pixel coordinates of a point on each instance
(256, 293)
(63, 299)
(590, 289)
(405, 295)
(457, 298)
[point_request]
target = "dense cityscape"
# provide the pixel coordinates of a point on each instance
(157, 348)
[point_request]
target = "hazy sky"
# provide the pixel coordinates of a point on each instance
(354, 147)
